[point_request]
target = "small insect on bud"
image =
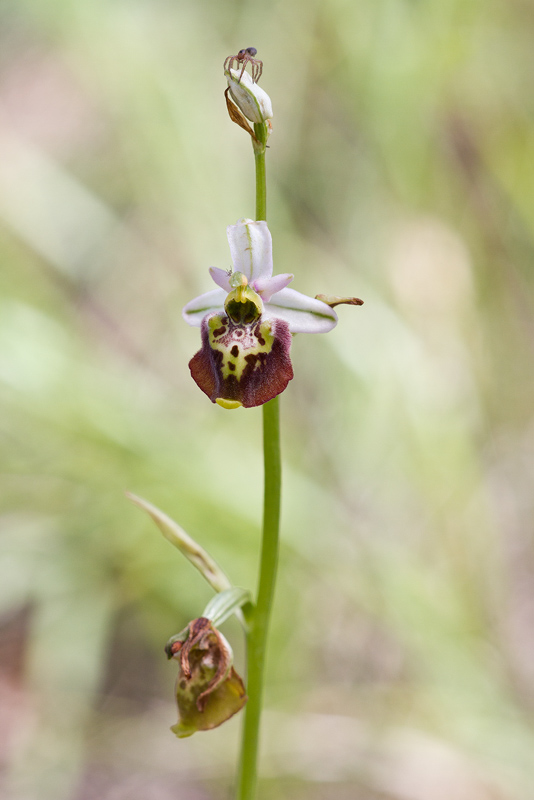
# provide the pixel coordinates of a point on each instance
(246, 56)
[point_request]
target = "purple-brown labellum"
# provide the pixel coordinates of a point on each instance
(242, 364)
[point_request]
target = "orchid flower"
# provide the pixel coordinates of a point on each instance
(246, 323)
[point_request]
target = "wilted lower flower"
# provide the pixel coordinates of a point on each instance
(247, 323)
(208, 689)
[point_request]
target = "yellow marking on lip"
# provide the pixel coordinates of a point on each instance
(228, 403)
(247, 345)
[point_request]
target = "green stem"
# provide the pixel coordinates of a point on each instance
(257, 637)
(260, 129)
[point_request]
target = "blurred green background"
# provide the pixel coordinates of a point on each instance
(400, 170)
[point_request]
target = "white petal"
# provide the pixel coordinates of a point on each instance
(195, 311)
(251, 248)
(266, 287)
(304, 314)
(221, 278)
(253, 101)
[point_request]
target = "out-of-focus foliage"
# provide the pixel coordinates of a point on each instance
(400, 169)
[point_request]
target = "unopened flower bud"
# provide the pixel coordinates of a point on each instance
(251, 99)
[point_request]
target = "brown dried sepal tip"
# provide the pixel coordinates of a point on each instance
(238, 117)
(332, 300)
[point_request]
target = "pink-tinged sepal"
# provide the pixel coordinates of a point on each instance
(242, 364)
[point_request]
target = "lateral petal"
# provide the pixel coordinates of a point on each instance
(266, 287)
(221, 278)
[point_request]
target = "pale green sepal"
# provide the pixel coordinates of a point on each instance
(303, 314)
(224, 604)
(176, 535)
